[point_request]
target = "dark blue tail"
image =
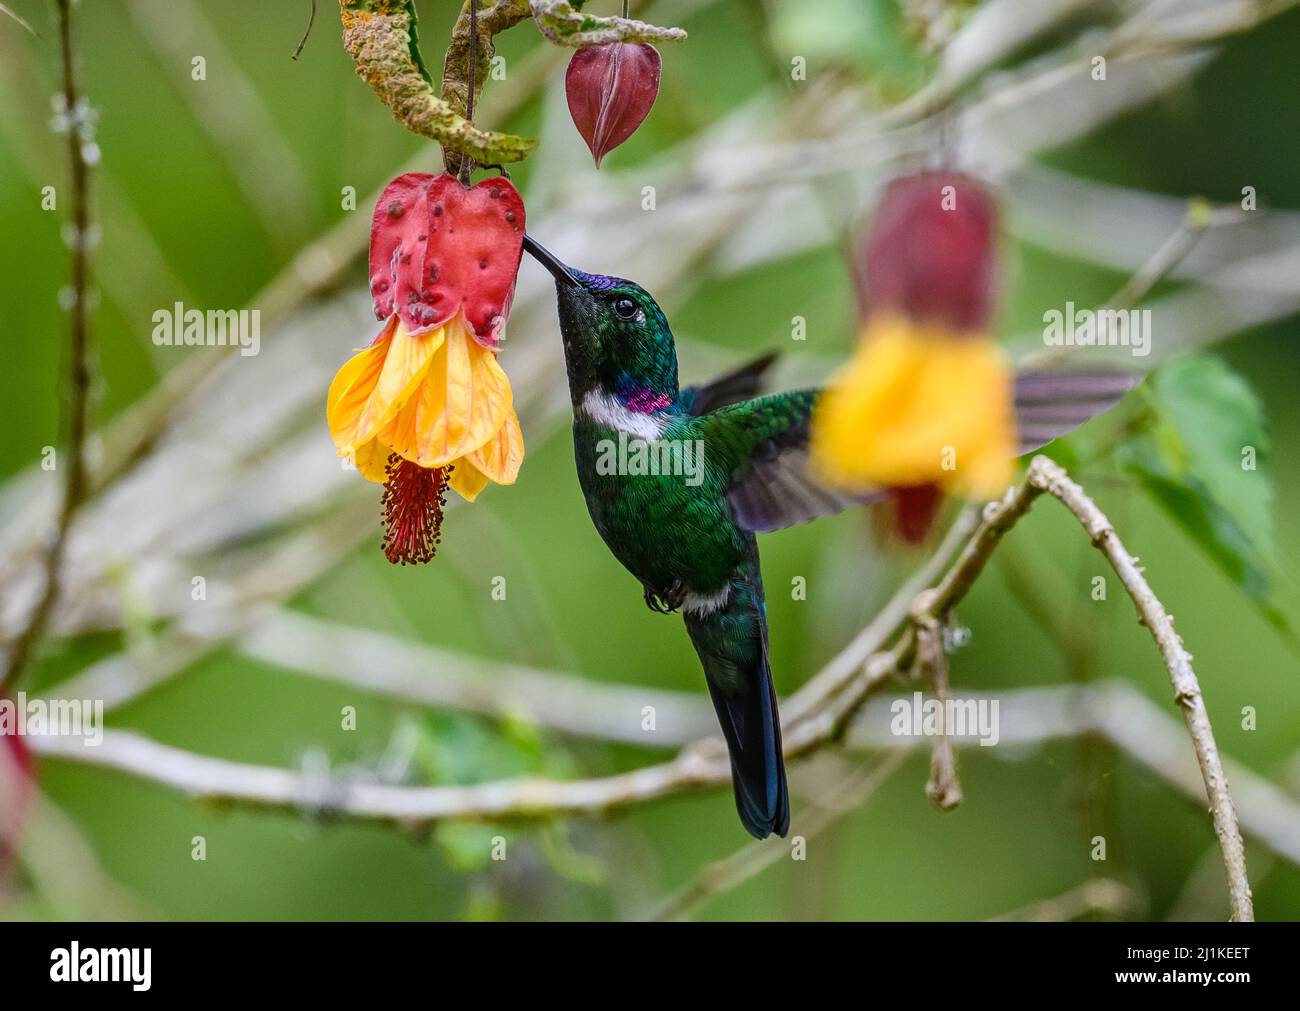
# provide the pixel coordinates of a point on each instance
(732, 645)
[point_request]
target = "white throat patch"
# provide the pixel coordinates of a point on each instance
(606, 410)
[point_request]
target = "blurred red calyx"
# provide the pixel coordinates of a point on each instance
(610, 90)
(930, 254)
(438, 248)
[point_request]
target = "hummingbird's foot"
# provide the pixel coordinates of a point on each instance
(652, 600)
(665, 603)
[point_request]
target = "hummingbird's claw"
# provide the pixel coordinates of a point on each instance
(665, 603)
(652, 601)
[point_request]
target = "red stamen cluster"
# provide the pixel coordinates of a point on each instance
(413, 501)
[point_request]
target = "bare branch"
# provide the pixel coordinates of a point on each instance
(76, 119)
(756, 856)
(1047, 477)
(943, 787)
(704, 763)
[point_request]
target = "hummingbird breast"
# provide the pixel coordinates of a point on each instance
(658, 505)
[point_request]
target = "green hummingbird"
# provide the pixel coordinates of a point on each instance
(731, 465)
(686, 531)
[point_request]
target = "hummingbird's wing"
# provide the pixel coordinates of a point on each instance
(1051, 403)
(765, 442)
(729, 388)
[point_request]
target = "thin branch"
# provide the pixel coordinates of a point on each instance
(943, 787)
(1200, 217)
(302, 42)
(1050, 478)
(75, 119)
(755, 857)
(705, 764)
(565, 26)
(1098, 895)
(8, 12)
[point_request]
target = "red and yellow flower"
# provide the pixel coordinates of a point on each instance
(427, 405)
(925, 406)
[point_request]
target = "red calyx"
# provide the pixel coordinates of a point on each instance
(611, 89)
(437, 247)
(930, 253)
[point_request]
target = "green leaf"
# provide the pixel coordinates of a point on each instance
(1203, 457)
(467, 847)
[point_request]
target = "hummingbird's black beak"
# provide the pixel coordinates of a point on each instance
(561, 273)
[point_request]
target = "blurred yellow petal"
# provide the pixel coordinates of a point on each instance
(917, 405)
(352, 388)
(463, 400)
(467, 480)
(499, 458)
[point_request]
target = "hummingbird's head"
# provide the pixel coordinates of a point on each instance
(616, 338)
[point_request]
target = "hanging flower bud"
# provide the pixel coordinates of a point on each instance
(426, 406)
(925, 405)
(610, 90)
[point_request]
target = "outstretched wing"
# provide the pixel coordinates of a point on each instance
(739, 384)
(764, 442)
(1051, 403)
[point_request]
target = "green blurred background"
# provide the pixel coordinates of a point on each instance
(183, 218)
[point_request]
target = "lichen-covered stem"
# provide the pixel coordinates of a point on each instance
(493, 16)
(565, 25)
(380, 36)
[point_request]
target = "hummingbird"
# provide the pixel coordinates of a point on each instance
(690, 540)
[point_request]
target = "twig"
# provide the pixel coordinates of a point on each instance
(1200, 217)
(1048, 477)
(1138, 728)
(6, 10)
(1135, 725)
(76, 120)
(380, 36)
(943, 788)
(704, 764)
(1098, 895)
(750, 860)
(302, 43)
(465, 69)
(565, 26)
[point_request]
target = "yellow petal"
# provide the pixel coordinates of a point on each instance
(352, 388)
(499, 458)
(463, 400)
(405, 366)
(918, 405)
(467, 480)
(371, 459)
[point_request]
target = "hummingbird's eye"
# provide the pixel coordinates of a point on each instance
(625, 308)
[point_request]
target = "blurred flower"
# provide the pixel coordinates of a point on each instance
(611, 89)
(925, 404)
(17, 792)
(426, 405)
